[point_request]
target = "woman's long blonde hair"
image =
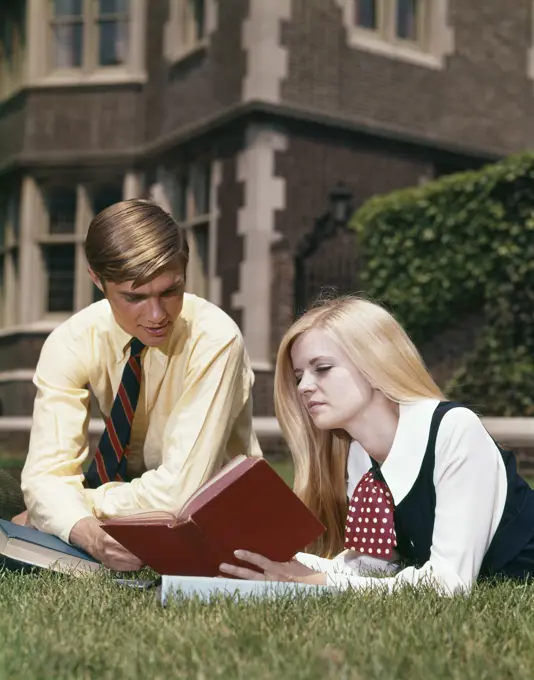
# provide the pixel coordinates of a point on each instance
(382, 351)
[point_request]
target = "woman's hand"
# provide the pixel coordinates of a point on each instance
(22, 519)
(273, 571)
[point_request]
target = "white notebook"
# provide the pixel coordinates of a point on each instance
(205, 587)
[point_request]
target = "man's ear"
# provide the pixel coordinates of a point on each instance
(96, 280)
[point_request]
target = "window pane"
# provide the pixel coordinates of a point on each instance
(201, 236)
(2, 289)
(113, 7)
(15, 259)
(62, 210)
(60, 267)
(7, 36)
(106, 195)
(365, 14)
(198, 237)
(179, 207)
(103, 197)
(200, 184)
(198, 11)
(65, 8)
(113, 43)
(12, 42)
(407, 19)
(15, 216)
(3, 220)
(67, 45)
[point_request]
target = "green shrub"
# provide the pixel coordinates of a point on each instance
(462, 244)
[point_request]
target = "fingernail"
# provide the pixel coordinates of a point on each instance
(239, 553)
(224, 567)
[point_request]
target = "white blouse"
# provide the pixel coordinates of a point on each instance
(471, 486)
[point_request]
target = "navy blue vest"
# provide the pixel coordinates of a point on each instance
(511, 552)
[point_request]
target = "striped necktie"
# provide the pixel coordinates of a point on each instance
(110, 461)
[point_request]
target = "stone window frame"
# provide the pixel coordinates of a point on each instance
(39, 238)
(173, 190)
(179, 42)
(530, 53)
(195, 218)
(431, 51)
(44, 240)
(40, 71)
(9, 255)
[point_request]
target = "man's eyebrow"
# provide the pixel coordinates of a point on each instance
(140, 296)
(131, 294)
(173, 286)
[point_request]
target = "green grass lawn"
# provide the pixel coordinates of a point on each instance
(53, 627)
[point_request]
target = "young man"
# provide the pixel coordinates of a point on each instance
(174, 360)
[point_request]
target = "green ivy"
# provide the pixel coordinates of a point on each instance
(460, 245)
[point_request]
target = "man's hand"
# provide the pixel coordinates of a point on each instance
(88, 535)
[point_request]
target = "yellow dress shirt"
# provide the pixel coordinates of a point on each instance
(194, 414)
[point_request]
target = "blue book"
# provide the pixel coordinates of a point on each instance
(25, 546)
(208, 587)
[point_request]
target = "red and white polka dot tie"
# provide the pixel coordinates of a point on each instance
(370, 527)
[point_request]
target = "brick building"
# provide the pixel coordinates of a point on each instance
(239, 116)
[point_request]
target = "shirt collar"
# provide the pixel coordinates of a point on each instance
(121, 342)
(403, 463)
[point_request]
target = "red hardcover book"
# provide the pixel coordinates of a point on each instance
(246, 506)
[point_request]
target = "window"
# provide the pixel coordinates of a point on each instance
(60, 265)
(9, 256)
(112, 23)
(192, 209)
(365, 14)
(188, 26)
(105, 195)
(393, 20)
(193, 22)
(89, 34)
(416, 31)
(408, 20)
(12, 46)
(67, 212)
(102, 197)
(58, 249)
(67, 34)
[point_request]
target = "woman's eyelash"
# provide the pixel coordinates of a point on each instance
(318, 369)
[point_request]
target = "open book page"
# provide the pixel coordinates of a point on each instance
(224, 471)
(161, 516)
(145, 517)
(349, 563)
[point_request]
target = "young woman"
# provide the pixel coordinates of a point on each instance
(431, 497)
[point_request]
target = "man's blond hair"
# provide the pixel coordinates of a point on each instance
(134, 240)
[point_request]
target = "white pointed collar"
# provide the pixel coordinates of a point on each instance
(403, 463)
